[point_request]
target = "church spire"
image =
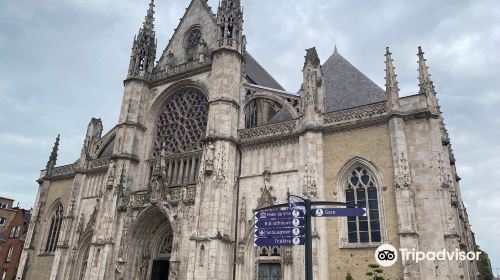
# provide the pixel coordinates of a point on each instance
(230, 25)
(425, 82)
(144, 47)
(391, 84)
(53, 158)
(149, 23)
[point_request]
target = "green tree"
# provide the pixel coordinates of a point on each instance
(349, 276)
(376, 272)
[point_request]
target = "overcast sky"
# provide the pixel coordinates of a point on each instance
(63, 62)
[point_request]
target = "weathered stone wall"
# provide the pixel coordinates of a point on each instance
(372, 144)
(41, 264)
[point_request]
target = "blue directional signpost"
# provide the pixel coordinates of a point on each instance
(292, 226)
(338, 212)
(279, 228)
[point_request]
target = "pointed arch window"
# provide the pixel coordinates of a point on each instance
(361, 189)
(54, 230)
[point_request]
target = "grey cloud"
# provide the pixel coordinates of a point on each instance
(63, 62)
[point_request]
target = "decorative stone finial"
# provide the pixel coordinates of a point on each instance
(144, 47)
(425, 82)
(53, 157)
(391, 84)
(312, 57)
(230, 25)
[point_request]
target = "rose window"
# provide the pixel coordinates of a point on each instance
(182, 123)
(193, 38)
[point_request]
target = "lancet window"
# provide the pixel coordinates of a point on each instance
(54, 229)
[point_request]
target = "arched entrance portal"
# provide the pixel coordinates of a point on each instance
(150, 245)
(161, 262)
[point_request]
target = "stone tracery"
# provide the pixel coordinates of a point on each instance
(182, 123)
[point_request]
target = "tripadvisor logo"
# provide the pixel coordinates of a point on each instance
(386, 255)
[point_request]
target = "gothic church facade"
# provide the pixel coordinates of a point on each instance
(205, 136)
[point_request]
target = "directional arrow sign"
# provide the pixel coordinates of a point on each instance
(280, 241)
(284, 223)
(279, 232)
(279, 214)
(337, 212)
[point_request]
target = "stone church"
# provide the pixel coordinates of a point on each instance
(206, 135)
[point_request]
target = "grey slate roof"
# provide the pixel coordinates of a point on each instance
(108, 151)
(283, 115)
(258, 75)
(346, 87)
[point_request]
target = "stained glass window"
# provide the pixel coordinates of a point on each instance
(362, 190)
(55, 228)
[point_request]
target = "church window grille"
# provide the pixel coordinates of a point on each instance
(182, 123)
(54, 230)
(9, 254)
(362, 190)
(269, 271)
(166, 245)
(193, 38)
(269, 263)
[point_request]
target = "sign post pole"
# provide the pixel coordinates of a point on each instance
(285, 227)
(308, 244)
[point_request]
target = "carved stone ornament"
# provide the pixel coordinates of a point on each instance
(92, 220)
(288, 255)
(310, 185)
(79, 227)
(402, 179)
(266, 198)
(444, 176)
(71, 208)
(173, 271)
(221, 169)
(268, 130)
(72, 257)
(170, 59)
(240, 257)
(267, 175)
(121, 200)
(358, 113)
(209, 159)
(111, 175)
